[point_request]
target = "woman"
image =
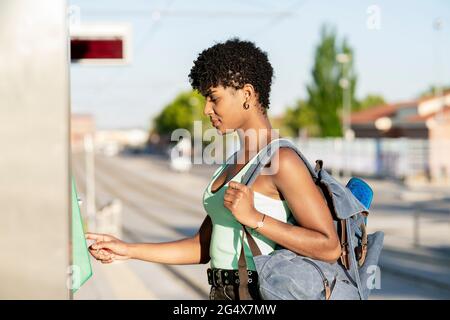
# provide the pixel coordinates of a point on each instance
(235, 77)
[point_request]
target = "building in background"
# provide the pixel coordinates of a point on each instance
(81, 125)
(111, 142)
(108, 142)
(439, 136)
(425, 123)
(389, 121)
(412, 119)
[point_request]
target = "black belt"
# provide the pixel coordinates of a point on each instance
(222, 277)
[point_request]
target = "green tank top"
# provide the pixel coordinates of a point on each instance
(225, 245)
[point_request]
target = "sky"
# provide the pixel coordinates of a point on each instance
(397, 52)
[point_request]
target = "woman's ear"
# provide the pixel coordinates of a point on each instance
(249, 92)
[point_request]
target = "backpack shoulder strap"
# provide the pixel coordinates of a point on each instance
(267, 154)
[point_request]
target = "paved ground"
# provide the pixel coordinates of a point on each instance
(161, 205)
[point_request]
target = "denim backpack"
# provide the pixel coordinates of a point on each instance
(285, 275)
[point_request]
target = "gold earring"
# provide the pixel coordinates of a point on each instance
(246, 106)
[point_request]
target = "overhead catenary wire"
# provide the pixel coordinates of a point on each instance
(279, 18)
(159, 15)
(140, 46)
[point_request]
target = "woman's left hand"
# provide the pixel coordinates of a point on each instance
(238, 199)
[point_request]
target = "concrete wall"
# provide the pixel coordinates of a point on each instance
(34, 150)
(440, 149)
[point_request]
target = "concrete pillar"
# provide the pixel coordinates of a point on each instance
(34, 150)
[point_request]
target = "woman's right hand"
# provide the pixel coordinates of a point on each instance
(107, 248)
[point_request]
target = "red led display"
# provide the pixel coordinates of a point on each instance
(96, 49)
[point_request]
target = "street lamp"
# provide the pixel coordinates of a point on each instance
(90, 181)
(438, 25)
(344, 82)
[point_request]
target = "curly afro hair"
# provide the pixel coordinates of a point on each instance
(233, 63)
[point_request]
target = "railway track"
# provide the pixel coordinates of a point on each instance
(135, 185)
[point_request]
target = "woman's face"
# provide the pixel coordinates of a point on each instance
(224, 107)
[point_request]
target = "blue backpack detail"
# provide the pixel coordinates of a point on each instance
(286, 275)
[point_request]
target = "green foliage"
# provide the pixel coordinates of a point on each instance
(433, 90)
(301, 117)
(371, 100)
(181, 113)
(325, 94)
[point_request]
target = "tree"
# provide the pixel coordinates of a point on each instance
(301, 117)
(324, 92)
(371, 100)
(433, 90)
(181, 113)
